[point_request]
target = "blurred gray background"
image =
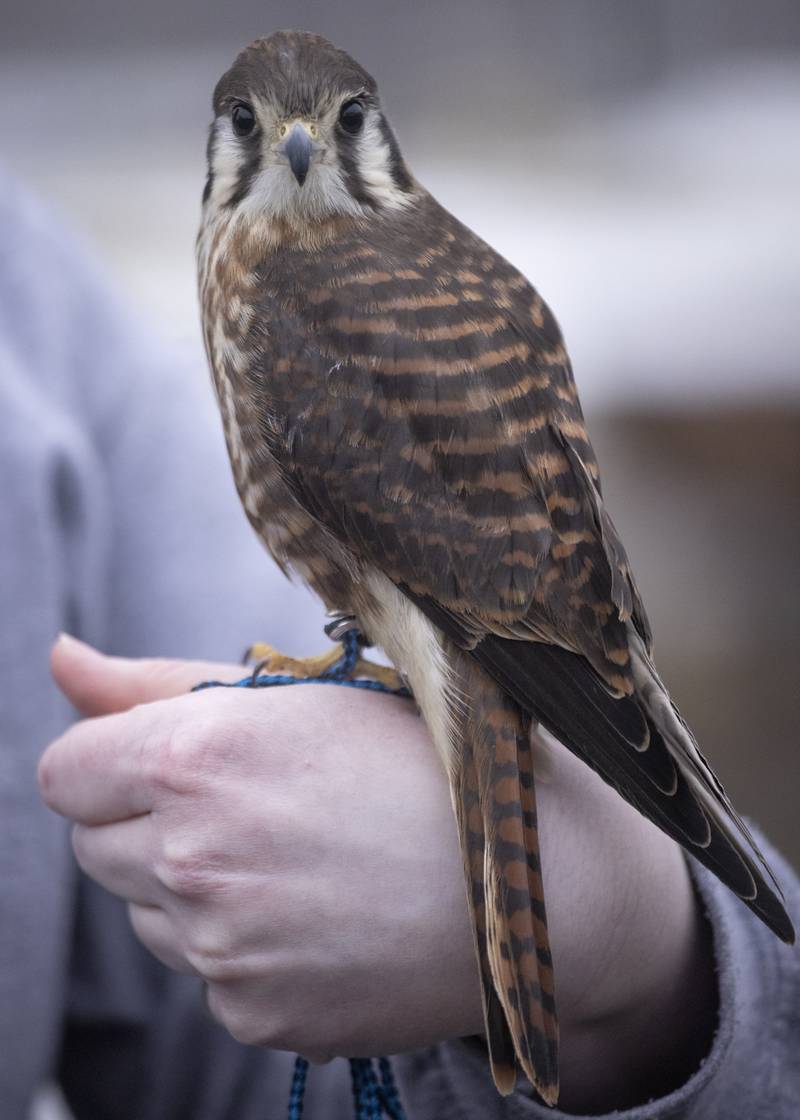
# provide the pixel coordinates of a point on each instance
(639, 161)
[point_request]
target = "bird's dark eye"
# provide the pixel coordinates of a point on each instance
(243, 118)
(351, 116)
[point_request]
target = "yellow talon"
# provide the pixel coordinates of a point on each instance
(259, 651)
(369, 670)
(270, 660)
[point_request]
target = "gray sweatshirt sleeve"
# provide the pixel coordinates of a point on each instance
(752, 1071)
(118, 523)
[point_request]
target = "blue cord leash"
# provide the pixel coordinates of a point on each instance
(374, 1095)
(341, 672)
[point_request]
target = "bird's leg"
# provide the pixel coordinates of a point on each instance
(345, 627)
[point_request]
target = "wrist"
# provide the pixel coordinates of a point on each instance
(650, 1041)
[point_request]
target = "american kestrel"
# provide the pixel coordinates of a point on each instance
(406, 437)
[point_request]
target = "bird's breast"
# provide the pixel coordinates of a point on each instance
(243, 364)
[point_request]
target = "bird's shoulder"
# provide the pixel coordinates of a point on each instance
(413, 282)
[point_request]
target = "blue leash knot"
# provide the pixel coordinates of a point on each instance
(375, 1095)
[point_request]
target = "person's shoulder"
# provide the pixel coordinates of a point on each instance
(54, 299)
(63, 321)
(29, 227)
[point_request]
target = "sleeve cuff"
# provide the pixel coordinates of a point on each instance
(466, 1089)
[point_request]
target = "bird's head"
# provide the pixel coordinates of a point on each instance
(299, 135)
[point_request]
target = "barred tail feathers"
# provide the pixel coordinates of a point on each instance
(495, 803)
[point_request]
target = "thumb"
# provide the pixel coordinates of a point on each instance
(98, 684)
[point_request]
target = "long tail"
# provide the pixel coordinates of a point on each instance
(495, 802)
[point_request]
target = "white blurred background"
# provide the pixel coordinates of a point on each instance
(639, 161)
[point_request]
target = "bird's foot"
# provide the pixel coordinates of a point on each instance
(371, 671)
(343, 662)
(270, 660)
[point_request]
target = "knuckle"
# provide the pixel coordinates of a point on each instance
(78, 839)
(214, 968)
(181, 758)
(212, 956)
(186, 869)
(246, 1031)
(237, 1018)
(44, 776)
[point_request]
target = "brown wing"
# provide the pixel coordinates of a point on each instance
(435, 425)
(422, 407)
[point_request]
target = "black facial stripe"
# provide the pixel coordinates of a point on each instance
(397, 167)
(249, 169)
(346, 147)
(209, 163)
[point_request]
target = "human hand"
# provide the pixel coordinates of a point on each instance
(293, 847)
(296, 849)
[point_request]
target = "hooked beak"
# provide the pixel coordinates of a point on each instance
(297, 148)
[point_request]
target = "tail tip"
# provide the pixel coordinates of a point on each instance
(505, 1079)
(504, 1076)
